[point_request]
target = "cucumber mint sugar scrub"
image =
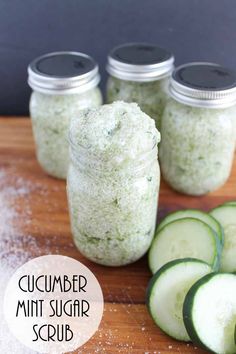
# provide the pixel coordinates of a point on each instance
(113, 182)
(198, 137)
(64, 83)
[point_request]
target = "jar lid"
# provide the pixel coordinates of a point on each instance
(63, 73)
(139, 62)
(204, 85)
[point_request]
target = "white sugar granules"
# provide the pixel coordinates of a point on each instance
(12, 253)
(12, 217)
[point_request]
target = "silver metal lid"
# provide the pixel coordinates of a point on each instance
(204, 85)
(140, 62)
(63, 73)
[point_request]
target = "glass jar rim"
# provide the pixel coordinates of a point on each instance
(81, 155)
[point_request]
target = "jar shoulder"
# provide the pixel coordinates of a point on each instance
(124, 89)
(180, 116)
(51, 103)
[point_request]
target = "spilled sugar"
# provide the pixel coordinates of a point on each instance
(12, 242)
(11, 258)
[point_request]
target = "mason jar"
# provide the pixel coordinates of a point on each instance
(113, 183)
(139, 73)
(63, 83)
(198, 138)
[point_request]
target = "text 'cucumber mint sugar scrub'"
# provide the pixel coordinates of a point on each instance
(113, 182)
(139, 73)
(63, 83)
(198, 138)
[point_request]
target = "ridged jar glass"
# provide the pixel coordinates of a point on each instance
(63, 84)
(198, 137)
(139, 72)
(112, 195)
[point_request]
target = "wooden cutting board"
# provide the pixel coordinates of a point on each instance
(42, 226)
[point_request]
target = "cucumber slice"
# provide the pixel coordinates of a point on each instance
(185, 238)
(166, 293)
(210, 312)
(226, 215)
(197, 214)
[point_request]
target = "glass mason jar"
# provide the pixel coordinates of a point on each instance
(139, 73)
(113, 183)
(198, 138)
(63, 83)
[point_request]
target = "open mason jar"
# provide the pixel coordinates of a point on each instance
(198, 137)
(113, 183)
(139, 73)
(63, 83)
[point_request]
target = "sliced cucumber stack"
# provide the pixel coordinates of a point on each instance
(166, 293)
(226, 215)
(184, 238)
(197, 214)
(210, 312)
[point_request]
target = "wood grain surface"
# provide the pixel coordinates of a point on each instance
(126, 326)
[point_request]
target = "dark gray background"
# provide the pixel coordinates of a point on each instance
(192, 29)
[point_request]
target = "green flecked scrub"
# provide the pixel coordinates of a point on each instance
(51, 115)
(197, 147)
(113, 183)
(150, 96)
